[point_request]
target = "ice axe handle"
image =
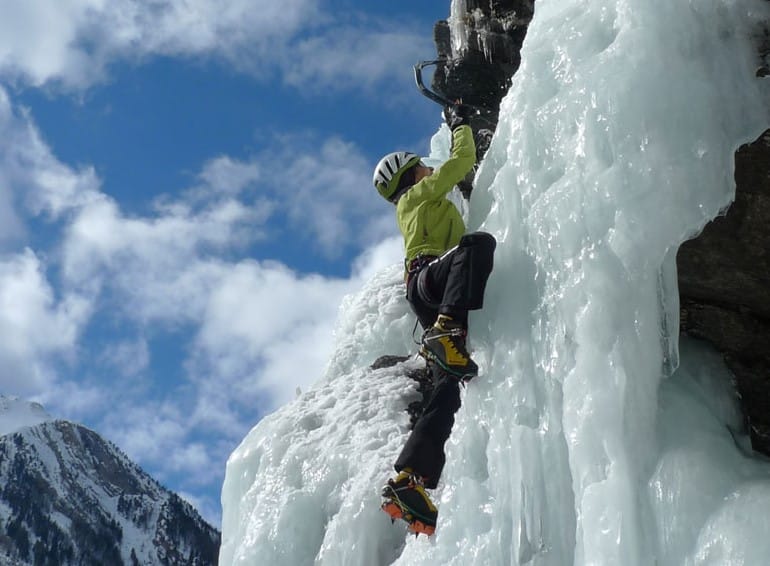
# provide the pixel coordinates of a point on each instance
(434, 96)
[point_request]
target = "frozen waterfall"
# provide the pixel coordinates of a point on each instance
(576, 444)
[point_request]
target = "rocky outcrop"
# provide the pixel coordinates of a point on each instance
(479, 70)
(724, 286)
(724, 273)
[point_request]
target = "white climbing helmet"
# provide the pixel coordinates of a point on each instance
(388, 172)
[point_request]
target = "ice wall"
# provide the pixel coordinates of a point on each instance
(615, 144)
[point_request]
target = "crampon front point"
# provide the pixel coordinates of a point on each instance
(395, 511)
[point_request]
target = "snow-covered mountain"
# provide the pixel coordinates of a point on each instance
(67, 496)
(592, 436)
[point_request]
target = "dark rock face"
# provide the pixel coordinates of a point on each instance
(724, 286)
(724, 273)
(482, 75)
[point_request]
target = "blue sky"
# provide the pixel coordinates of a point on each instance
(185, 197)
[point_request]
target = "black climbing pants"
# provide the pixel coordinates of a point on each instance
(424, 449)
(452, 284)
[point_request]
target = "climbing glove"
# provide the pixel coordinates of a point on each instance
(457, 114)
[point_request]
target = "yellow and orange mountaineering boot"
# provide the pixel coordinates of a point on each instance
(444, 343)
(405, 499)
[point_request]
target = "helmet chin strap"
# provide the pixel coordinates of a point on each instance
(399, 193)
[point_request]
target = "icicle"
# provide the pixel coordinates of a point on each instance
(462, 23)
(668, 296)
(458, 28)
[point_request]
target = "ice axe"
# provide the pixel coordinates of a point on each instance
(482, 137)
(434, 96)
(439, 98)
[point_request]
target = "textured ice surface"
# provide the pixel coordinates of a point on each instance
(573, 446)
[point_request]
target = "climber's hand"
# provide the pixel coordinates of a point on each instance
(457, 114)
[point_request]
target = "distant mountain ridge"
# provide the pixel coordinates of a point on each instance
(67, 496)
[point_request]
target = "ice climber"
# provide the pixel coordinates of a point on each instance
(446, 274)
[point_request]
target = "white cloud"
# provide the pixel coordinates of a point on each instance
(35, 327)
(147, 431)
(73, 42)
(127, 358)
(38, 38)
(357, 58)
(155, 263)
(229, 175)
(32, 180)
(326, 192)
(261, 330)
(383, 254)
(266, 330)
(322, 188)
(78, 400)
(210, 25)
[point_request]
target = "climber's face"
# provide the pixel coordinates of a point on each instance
(422, 171)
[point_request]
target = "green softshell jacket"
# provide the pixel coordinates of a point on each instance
(429, 222)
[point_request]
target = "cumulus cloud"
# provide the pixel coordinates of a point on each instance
(159, 265)
(355, 57)
(126, 358)
(38, 324)
(266, 330)
(75, 399)
(151, 431)
(385, 252)
(36, 328)
(325, 191)
(32, 180)
(73, 42)
(228, 175)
